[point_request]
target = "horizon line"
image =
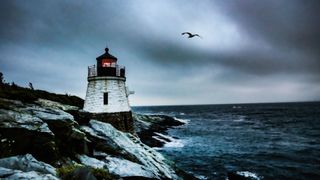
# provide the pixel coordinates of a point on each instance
(248, 103)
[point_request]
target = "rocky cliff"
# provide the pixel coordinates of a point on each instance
(42, 139)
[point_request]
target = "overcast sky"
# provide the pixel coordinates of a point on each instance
(251, 51)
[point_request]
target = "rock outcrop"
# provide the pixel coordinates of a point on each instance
(50, 132)
(30, 128)
(144, 159)
(148, 128)
(25, 167)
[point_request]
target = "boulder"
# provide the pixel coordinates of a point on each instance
(22, 133)
(147, 127)
(56, 105)
(118, 166)
(69, 138)
(25, 167)
(16, 174)
(30, 128)
(149, 160)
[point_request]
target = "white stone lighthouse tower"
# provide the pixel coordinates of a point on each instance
(107, 94)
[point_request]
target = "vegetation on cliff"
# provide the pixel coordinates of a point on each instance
(16, 92)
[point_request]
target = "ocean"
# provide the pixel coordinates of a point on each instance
(259, 141)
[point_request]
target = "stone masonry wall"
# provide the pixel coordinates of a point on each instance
(122, 121)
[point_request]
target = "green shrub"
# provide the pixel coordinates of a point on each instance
(101, 174)
(28, 95)
(67, 172)
(64, 171)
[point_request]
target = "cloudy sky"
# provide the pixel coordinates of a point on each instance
(251, 51)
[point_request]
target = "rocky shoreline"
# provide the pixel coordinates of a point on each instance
(44, 140)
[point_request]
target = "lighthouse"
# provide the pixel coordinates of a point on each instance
(107, 95)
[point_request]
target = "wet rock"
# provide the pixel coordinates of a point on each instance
(16, 174)
(56, 105)
(49, 132)
(27, 163)
(118, 166)
(25, 167)
(69, 138)
(106, 144)
(30, 128)
(148, 125)
(149, 159)
(22, 133)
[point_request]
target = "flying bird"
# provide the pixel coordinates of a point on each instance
(190, 35)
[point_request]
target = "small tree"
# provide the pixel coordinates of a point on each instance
(14, 85)
(1, 78)
(31, 86)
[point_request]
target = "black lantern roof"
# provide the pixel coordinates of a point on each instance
(106, 55)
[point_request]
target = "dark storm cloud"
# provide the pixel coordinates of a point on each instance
(244, 42)
(289, 23)
(58, 22)
(291, 26)
(252, 61)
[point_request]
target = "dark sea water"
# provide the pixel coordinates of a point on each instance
(263, 141)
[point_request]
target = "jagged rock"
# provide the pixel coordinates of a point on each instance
(106, 144)
(148, 158)
(16, 120)
(30, 128)
(148, 125)
(65, 128)
(25, 167)
(16, 174)
(56, 105)
(27, 163)
(50, 114)
(22, 133)
(52, 135)
(118, 166)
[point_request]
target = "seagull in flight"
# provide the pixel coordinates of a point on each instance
(190, 35)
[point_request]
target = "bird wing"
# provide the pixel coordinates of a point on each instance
(197, 35)
(186, 33)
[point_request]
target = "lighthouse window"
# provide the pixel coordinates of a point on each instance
(105, 98)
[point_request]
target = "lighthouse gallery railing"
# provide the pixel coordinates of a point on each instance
(92, 70)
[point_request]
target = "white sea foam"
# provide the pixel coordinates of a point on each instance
(159, 139)
(157, 148)
(236, 107)
(164, 136)
(177, 143)
(240, 119)
(248, 174)
(182, 113)
(185, 121)
(173, 143)
(201, 177)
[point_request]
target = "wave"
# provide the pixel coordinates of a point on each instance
(169, 141)
(185, 121)
(201, 177)
(240, 119)
(248, 174)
